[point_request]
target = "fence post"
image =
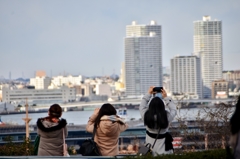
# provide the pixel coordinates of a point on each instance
(206, 141)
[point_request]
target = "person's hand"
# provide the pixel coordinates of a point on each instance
(150, 90)
(164, 93)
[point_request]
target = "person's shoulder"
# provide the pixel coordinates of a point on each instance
(40, 119)
(63, 121)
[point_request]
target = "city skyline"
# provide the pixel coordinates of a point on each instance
(87, 37)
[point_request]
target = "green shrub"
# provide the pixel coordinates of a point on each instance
(22, 149)
(15, 149)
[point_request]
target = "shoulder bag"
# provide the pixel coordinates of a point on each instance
(89, 147)
(36, 145)
(147, 149)
(65, 149)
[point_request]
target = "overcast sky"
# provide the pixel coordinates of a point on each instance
(86, 36)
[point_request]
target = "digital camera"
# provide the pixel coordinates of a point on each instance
(157, 89)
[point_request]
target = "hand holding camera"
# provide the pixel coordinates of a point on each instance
(157, 90)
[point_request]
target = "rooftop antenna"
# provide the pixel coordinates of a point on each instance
(5, 107)
(10, 75)
(23, 75)
(103, 71)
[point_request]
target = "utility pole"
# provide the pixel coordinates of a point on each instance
(27, 120)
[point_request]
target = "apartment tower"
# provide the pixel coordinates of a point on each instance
(186, 76)
(208, 46)
(143, 57)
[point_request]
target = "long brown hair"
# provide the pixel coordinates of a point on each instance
(106, 109)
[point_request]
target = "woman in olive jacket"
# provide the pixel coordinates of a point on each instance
(51, 129)
(109, 126)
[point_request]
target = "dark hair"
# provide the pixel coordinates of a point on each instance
(106, 109)
(234, 121)
(55, 111)
(156, 115)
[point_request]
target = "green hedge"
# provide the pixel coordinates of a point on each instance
(210, 154)
(22, 149)
(16, 149)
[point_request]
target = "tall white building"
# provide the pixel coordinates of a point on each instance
(143, 57)
(208, 46)
(186, 76)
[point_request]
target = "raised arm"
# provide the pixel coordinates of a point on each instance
(172, 108)
(144, 103)
(169, 104)
(91, 121)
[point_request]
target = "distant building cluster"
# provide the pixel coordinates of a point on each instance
(62, 89)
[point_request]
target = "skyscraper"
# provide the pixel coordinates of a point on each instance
(208, 46)
(143, 57)
(186, 76)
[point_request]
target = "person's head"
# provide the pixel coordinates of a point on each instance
(106, 109)
(55, 111)
(156, 115)
(234, 121)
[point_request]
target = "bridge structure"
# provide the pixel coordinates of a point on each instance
(94, 104)
(136, 102)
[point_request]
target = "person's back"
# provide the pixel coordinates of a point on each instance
(107, 137)
(155, 115)
(51, 129)
(109, 126)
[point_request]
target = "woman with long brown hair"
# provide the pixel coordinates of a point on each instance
(108, 128)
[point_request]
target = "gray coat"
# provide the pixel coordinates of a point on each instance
(51, 137)
(235, 144)
(159, 147)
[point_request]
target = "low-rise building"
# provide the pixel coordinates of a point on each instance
(219, 89)
(16, 96)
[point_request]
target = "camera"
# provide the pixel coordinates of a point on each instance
(157, 89)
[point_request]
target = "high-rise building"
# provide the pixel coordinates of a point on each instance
(208, 46)
(143, 57)
(186, 76)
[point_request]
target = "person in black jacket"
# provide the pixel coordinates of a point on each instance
(235, 131)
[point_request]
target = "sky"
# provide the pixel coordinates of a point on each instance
(86, 37)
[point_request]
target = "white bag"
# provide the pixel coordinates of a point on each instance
(65, 149)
